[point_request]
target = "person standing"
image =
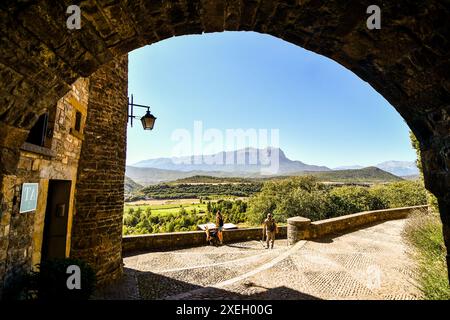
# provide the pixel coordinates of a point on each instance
(219, 225)
(270, 229)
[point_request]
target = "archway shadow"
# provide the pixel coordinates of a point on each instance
(146, 285)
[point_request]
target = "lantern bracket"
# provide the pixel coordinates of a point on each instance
(130, 113)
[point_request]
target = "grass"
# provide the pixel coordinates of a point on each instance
(424, 231)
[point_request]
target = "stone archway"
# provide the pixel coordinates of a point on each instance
(406, 61)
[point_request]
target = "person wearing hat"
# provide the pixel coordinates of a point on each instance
(270, 229)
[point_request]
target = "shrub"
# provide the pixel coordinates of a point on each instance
(305, 196)
(298, 196)
(351, 199)
(401, 194)
(424, 232)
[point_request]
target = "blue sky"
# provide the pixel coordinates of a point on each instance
(325, 114)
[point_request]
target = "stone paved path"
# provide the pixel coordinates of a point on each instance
(371, 263)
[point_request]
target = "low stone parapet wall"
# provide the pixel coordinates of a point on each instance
(300, 228)
(177, 240)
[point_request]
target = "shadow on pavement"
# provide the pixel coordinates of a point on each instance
(150, 286)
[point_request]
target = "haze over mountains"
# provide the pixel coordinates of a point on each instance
(248, 160)
(399, 168)
(246, 163)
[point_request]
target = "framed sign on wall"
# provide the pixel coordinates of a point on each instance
(28, 200)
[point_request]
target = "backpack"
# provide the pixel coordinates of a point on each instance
(270, 224)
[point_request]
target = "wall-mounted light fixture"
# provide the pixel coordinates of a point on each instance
(148, 120)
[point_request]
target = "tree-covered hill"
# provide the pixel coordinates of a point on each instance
(367, 175)
(364, 175)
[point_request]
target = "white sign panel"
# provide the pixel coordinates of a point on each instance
(28, 200)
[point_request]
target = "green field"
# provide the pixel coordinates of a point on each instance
(165, 209)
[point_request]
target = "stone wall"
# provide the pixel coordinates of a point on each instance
(177, 240)
(300, 228)
(97, 226)
(21, 234)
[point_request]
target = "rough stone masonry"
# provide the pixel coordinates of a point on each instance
(406, 61)
(97, 226)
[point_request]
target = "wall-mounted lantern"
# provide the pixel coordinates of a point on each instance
(148, 120)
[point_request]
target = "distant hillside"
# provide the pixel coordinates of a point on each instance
(249, 163)
(151, 176)
(131, 185)
(398, 168)
(148, 176)
(212, 180)
(205, 186)
(369, 174)
(364, 175)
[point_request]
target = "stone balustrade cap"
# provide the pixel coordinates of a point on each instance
(298, 220)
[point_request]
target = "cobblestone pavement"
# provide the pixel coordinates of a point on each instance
(371, 263)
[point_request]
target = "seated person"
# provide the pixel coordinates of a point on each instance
(211, 236)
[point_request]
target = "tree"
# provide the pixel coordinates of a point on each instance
(297, 196)
(306, 197)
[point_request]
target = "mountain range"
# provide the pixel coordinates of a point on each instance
(248, 160)
(159, 170)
